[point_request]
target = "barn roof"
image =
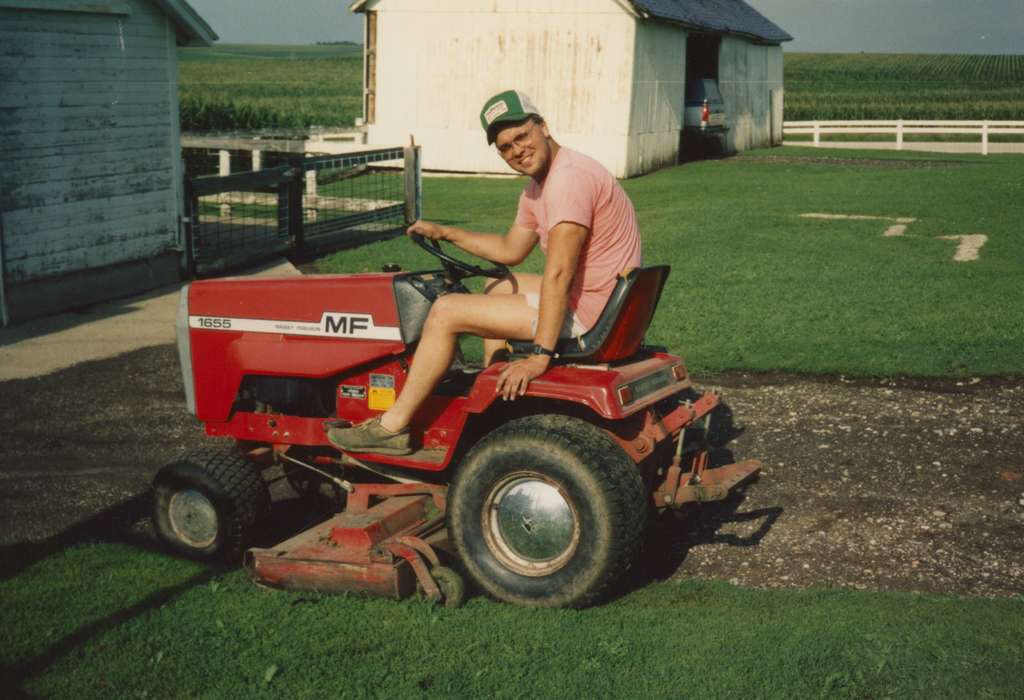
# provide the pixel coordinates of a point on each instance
(725, 16)
(719, 16)
(192, 29)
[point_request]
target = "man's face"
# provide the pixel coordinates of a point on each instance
(525, 147)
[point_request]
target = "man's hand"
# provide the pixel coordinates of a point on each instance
(516, 376)
(429, 230)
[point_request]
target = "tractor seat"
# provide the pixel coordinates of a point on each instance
(620, 328)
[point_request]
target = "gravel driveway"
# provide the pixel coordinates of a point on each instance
(888, 485)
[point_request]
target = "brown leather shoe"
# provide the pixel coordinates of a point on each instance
(371, 436)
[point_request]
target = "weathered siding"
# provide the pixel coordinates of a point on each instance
(659, 82)
(610, 84)
(747, 75)
(88, 139)
(438, 61)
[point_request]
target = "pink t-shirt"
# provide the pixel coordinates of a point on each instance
(580, 190)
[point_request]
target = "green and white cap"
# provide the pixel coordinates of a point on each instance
(508, 106)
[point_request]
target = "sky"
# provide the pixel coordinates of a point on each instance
(874, 26)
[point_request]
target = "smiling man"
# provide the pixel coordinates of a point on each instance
(587, 228)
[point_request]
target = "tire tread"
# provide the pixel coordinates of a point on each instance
(242, 485)
(609, 466)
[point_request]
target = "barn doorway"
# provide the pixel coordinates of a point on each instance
(702, 52)
(702, 56)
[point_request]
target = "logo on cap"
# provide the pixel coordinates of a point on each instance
(495, 111)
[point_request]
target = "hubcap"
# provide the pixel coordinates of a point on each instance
(530, 524)
(193, 518)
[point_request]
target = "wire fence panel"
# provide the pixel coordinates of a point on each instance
(240, 218)
(353, 198)
(311, 205)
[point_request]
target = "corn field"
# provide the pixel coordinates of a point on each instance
(903, 86)
(239, 87)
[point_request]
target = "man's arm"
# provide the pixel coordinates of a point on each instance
(565, 242)
(510, 248)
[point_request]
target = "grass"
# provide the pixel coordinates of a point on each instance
(104, 619)
(756, 287)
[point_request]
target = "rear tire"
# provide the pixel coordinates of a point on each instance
(547, 511)
(207, 504)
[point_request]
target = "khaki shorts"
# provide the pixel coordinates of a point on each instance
(572, 328)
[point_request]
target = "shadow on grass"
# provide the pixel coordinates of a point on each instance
(116, 525)
(12, 678)
(124, 523)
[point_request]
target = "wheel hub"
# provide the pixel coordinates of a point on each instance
(193, 518)
(530, 524)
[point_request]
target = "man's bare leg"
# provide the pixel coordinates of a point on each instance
(517, 283)
(490, 316)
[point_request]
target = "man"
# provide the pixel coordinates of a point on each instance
(585, 224)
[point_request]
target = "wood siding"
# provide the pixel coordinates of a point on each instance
(610, 84)
(88, 140)
(437, 62)
(659, 87)
(747, 75)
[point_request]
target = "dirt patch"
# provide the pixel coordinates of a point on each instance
(887, 484)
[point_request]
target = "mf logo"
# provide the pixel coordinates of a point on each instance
(346, 324)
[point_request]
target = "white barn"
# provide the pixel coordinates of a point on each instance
(91, 185)
(609, 75)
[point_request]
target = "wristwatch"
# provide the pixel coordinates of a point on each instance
(541, 350)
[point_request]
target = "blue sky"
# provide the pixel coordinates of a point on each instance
(898, 26)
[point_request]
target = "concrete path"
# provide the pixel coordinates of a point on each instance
(935, 147)
(39, 347)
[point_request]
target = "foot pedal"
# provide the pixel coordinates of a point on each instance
(339, 423)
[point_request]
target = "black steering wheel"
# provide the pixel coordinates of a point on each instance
(457, 269)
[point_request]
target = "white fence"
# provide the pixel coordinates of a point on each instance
(904, 127)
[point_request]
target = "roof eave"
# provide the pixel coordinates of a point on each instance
(358, 6)
(704, 30)
(191, 26)
(770, 41)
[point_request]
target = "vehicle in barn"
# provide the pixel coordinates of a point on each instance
(542, 501)
(704, 112)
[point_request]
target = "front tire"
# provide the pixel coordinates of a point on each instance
(547, 511)
(207, 504)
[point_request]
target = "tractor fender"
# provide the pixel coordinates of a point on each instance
(596, 387)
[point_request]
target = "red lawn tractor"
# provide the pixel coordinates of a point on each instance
(542, 501)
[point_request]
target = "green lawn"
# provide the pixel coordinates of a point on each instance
(756, 287)
(105, 620)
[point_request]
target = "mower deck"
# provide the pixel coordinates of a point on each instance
(382, 549)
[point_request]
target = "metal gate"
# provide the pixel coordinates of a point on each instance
(314, 204)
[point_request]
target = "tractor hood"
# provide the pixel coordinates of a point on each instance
(313, 326)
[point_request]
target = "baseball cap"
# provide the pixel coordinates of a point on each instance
(508, 106)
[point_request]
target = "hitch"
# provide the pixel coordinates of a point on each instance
(697, 483)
